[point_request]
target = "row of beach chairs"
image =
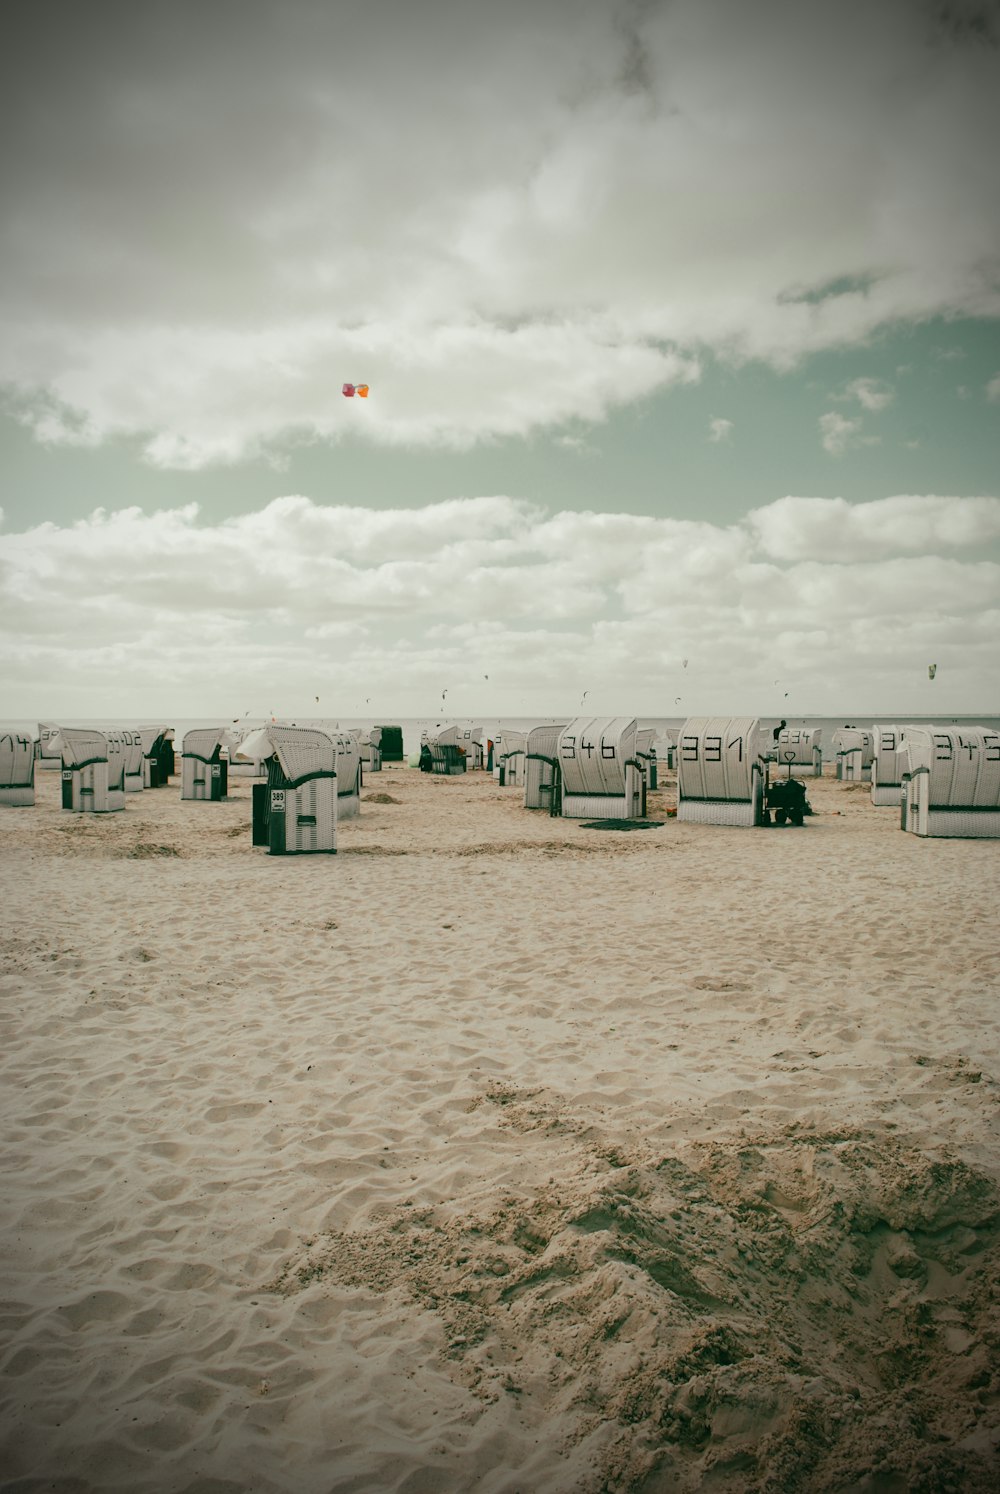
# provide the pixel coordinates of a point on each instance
(946, 781)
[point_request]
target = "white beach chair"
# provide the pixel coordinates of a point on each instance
(448, 755)
(47, 751)
(951, 785)
(296, 811)
(645, 753)
(600, 777)
(154, 755)
(17, 769)
(371, 749)
(93, 771)
(204, 771)
(471, 738)
(349, 773)
(510, 765)
(855, 749)
(541, 765)
(130, 738)
(800, 748)
(889, 763)
(721, 771)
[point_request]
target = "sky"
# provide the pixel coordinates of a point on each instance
(680, 318)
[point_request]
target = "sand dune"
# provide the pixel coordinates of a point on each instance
(496, 1153)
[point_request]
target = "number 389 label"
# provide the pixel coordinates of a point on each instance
(277, 801)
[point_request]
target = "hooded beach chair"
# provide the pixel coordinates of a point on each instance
(600, 777)
(130, 738)
(855, 749)
(17, 769)
(541, 749)
(47, 751)
(204, 771)
(951, 785)
(721, 771)
(295, 812)
(889, 763)
(800, 749)
(93, 771)
(509, 758)
(448, 755)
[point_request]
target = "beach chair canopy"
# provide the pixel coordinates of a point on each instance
(17, 760)
(48, 746)
(204, 742)
(80, 746)
(128, 741)
(444, 736)
(303, 752)
(962, 765)
(889, 753)
(543, 741)
(511, 744)
(718, 756)
(150, 736)
(855, 739)
(805, 739)
(594, 752)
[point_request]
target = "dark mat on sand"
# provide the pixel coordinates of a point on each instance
(620, 824)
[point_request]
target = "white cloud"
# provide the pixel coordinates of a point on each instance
(719, 429)
(300, 598)
(837, 433)
(873, 394)
(499, 221)
(993, 389)
(833, 531)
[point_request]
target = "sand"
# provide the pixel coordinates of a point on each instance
(497, 1154)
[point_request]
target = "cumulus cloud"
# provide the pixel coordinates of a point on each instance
(719, 429)
(301, 598)
(838, 434)
(215, 214)
(872, 394)
(830, 530)
(993, 389)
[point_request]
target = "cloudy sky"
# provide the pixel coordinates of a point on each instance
(681, 320)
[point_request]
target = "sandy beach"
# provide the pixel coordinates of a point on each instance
(495, 1153)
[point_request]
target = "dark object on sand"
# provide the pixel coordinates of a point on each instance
(787, 797)
(391, 745)
(619, 824)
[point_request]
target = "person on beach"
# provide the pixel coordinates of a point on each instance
(426, 758)
(489, 754)
(776, 733)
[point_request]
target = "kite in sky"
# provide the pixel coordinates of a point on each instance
(350, 390)
(931, 671)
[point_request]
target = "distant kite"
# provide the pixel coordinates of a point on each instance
(684, 663)
(931, 671)
(350, 390)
